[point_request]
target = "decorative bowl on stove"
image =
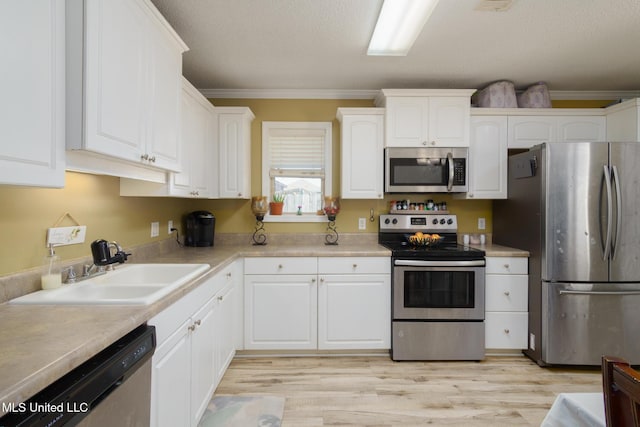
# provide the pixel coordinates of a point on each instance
(421, 240)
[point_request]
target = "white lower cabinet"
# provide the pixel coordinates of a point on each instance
(308, 303)
(280, 312)
(506, 303)
(195, 344)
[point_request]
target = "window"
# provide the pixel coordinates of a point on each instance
(296, 163)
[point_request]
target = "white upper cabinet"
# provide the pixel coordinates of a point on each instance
(623, 121)
(199, 150)
(555, 126)
(32, 112)
(488, 158)
(361, 147)
(234, 139)
(428, 117)
(124, 83)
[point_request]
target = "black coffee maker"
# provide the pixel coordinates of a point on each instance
(200, 228)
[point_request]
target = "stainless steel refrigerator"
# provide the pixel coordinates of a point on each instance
(576, 208)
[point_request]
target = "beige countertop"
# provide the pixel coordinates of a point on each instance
(42, 343)
(492, 250)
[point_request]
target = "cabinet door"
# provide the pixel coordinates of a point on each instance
(354, 311)
(225, 328)
(525, 132)
(117, 61)
(581, 129)
(449, 121)
(171, 380)
(407, 121)
(506, 330)
(235, 156)
(488, 163)
(165, 73)
(362, 148)
(32, 40)
(203, 373)
(197, 146)
(280, 312)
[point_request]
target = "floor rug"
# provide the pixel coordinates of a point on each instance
(243, 411)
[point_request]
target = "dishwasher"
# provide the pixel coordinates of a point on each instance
(113, 388)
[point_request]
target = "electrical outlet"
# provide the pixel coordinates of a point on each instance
(532, 341)
(155, 229)
(481, 224)
(169, 226)
(362, 223)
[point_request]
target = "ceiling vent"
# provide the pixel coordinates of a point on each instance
(494, 5)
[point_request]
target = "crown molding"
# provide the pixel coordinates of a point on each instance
(593, 94)
(289, 93)
(371, 94)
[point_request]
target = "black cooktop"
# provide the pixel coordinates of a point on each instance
(440, 252)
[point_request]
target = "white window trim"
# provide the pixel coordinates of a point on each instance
(266, 164)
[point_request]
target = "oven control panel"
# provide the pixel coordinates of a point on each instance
(433, 223)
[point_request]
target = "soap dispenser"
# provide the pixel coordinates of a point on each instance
(51, 277)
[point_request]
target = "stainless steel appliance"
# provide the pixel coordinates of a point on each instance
(576, 208)
(425, 170)
(437, 300)
(113, 388)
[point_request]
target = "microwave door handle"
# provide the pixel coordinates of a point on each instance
(607, 243)
(450, 163)
(614, 243)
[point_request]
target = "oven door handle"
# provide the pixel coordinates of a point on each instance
(416, 263)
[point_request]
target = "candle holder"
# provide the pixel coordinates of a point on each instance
(331, 209)
(259, 207)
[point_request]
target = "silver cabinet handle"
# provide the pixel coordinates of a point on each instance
(192, 328)
(279, 266)
(197, 322)
(507, 293)
(355, 266)
(506, 266)
(313, 280)
(144, 157)
(506, 331)
(221, 297)
(152, 159)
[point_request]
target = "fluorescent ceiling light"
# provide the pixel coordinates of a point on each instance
(398, 26)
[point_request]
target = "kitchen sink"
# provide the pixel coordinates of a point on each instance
(133, 284)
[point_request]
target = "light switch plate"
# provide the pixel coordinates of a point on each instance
(155, 229)
(60, 236)
(362, 223)
(481, 224)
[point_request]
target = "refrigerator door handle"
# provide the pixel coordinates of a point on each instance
(607, 243)
(614, 243)
(450, 162)
(599, 293)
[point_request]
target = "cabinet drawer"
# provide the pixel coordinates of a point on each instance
(506, 330)
(354, 265)
(281, 265)
(507, 265)
(506, 293)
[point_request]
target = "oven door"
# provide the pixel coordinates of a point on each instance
(438, 290)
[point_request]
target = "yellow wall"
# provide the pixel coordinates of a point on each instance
(235, 216)
(94, 200)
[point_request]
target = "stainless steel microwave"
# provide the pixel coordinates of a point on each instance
(426, 170)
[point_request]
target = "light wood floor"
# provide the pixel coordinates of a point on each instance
(375, 391)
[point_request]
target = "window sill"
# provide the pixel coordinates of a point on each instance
(295, 218)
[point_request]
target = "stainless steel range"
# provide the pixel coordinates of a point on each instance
(437, 291)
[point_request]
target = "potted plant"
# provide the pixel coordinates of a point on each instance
(277, 204)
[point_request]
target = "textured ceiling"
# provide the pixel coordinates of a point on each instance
(577, 45)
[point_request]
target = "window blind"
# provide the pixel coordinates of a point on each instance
(294, 150)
